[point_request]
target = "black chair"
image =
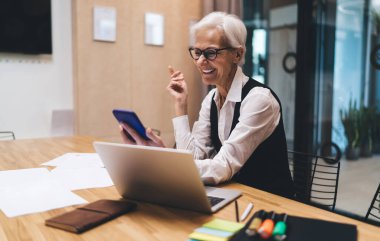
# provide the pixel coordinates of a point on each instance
(373, 213)
(7, 135)
(315, 179)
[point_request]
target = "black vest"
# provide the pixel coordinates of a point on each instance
(267, 168)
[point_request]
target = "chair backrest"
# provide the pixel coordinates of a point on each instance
(315, 179)
(373, 213)
(7, 135)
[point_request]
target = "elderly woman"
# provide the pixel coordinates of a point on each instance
(239, 135)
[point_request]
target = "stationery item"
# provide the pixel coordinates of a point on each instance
(236, 211)
(246, 212)
(301, 229)
(255, 223)
(280, 229)
(75, 160)
(32, 190)
(90, 215)
(216, 230)
(206, 237)
(266, 227)
(225, 225)
(83, 177)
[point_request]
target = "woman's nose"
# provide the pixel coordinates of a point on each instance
(202, 59)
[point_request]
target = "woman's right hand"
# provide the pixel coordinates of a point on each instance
(130, 136)
(178, 89)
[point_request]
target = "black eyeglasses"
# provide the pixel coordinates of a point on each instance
(209, 53)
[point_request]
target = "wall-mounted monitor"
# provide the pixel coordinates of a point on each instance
(25, 26)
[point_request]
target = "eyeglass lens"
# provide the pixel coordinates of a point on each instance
(209, 54)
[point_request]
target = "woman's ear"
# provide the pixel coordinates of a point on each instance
(238, 54)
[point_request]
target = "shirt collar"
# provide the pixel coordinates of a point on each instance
(234, 94)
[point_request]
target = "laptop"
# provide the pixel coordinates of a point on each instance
(162, 176)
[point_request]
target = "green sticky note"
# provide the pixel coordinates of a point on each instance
(224, 225)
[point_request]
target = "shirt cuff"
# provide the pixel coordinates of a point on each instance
(181, 124)
(181, 130)
(202, 168)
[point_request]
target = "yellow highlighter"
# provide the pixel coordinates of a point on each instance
(255, 224)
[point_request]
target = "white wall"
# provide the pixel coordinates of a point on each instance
(282, 16)
(31, 87)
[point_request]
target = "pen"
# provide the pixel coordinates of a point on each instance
(246, 212)
(237, 211)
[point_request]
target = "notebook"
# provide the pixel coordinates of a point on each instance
(162, 176)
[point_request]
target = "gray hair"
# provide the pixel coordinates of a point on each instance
(232, 27)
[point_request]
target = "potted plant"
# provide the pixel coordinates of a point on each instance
(350, 121)
(376, 134)
(366, 123)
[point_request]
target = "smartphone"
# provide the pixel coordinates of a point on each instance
(129, 117)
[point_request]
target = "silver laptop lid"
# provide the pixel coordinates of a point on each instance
(158, 175)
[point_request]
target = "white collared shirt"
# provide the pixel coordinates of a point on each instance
(259, 116)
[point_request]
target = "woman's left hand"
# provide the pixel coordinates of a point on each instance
(178, 89)
(154, 140)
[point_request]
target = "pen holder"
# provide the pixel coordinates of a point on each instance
(295, 228)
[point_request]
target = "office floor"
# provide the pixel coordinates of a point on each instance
(357, 184)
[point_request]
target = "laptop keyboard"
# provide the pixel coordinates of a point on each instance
(214, 200)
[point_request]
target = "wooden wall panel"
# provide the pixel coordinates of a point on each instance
(127, 73)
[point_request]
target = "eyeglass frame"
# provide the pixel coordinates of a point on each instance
(205, 54)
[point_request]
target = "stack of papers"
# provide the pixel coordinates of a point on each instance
(80, 171)
(26, 191)
(76, 160)
(216, 230)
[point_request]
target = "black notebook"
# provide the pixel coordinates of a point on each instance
(302, 229)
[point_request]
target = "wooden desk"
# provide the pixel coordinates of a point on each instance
(148, 222)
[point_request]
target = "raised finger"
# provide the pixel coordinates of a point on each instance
(171, 70)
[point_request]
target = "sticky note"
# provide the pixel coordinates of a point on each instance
(214, 232)
(224, 225)
(206, 237)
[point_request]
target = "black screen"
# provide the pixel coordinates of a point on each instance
(25, 26)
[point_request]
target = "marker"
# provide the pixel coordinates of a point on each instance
(266, 228)
(255, 223)
(280, 229)
(246, 212)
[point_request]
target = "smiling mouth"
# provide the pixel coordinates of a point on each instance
(208, 71)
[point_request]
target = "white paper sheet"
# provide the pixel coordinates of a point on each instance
(76, 160)
(81, 178)
(33, 190)
(22, 176)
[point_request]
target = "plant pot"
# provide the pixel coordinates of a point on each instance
(352, 153)
(366, 149)
(376, 147)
